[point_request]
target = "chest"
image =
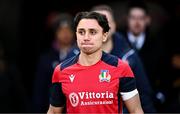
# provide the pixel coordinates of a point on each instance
(90, 86)
(91, 79)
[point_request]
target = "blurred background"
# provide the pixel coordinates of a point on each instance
(26, 34)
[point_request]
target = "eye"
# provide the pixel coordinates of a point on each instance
(81, 32)
(93, 32)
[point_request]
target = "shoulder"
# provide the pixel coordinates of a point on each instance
(69, 62)
(57, 74)
(55, 77)
(122, 63)
(124, 69)
(110, 59)
(113, 60)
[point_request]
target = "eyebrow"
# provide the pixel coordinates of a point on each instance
(80, 29)
(88, 29)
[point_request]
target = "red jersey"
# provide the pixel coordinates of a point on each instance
(92, 89)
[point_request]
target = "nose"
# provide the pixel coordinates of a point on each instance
(86, 36)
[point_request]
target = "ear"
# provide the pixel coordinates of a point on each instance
(105, 36)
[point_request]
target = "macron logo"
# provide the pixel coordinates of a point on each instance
(71, 77)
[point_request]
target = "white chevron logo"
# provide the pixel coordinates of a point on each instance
(71, 77)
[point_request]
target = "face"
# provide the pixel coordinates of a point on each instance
(137, 20)
(64, 35)
(90, 36)
(111, 22)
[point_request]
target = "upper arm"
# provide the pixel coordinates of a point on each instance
(128, 90)
(127, 83)
(133, 105)
(55, 110)
(57, 97)
(142, 83)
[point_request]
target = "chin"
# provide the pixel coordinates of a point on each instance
(88, 52)
(136, 33)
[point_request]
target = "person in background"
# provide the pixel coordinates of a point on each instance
(150, 48)
(62, 47)
(118, 46)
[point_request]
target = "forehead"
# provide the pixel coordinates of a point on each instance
(137, 11)
(88, 24)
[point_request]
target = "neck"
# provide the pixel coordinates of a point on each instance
(136, 34)
(90, 59)
(107, 46)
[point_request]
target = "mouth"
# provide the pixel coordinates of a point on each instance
(87, 44)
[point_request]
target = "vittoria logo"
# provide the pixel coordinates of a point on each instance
(98, 98)
(104, 76)
(74, 99)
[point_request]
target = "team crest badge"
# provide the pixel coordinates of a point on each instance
(104, 76)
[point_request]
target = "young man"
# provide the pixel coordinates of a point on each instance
(118, 46)
(93, 81)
